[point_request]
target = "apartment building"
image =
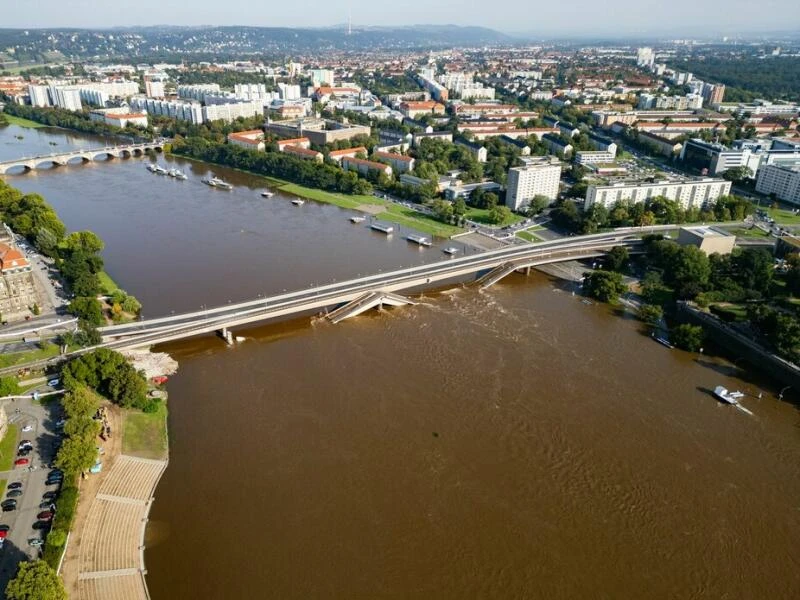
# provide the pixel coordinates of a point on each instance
(252, 140)
(365, 166)
(598, 157)
(540, 177)
(690, 193)
(781, 180)
(398, 162)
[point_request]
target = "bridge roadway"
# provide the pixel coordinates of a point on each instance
(86, 156)
(154, 331)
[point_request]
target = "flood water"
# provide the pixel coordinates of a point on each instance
(513, 443)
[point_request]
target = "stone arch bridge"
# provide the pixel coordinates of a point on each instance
(80, 157)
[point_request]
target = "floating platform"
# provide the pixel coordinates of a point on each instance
(382, 227)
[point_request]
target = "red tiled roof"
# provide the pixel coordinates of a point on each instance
(346, 151)
(11, 258)
(390, 156)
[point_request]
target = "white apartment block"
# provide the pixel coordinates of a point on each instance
(231, 112)
(689, 193)
(595, 158)
(645, 57)
(322, 77)
(176, 109)
(198, 91)
(535, 179)
(68, 98)
(253, 91)
(154, 89)
(781, 180)
(39, 95)
(289, 92)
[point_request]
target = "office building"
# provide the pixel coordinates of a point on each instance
(709, 239)
(39, 95)
(600, 157)
(539, 178)
(319, 131)
(715, 158)
(689, 193)
(781, 180)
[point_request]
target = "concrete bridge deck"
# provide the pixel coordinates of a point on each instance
(85, 156)
(159, 330)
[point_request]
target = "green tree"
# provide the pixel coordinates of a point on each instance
(605, 286)
(36, 581)
(651, 313)
(459, 208)
(88, 310)
(617, 258)
(688, 337)
(537, 204)
(84, 241)
(79, 402)
(76, 455)
(498, 214)
(737, 174)
(84, 428)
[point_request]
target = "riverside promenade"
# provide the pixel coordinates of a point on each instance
(104, 558)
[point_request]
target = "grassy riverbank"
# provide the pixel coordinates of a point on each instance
(13, 120)
(145, 434)
(396, 213)
(21, 358)
(107, 285)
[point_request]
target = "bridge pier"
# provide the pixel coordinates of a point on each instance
(227, 335)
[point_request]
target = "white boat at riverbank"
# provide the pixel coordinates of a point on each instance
(419, 239)
(267, 194)
(721, 393)
(218, 183)
(357, 219)
(151, 167)
(451, 250)
(298, 202)
(180, 175)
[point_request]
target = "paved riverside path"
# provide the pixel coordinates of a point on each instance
(111, 551)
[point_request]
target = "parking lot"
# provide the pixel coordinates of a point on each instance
(40, 420)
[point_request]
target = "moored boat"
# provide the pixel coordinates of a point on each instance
(267, 194)
(216, 182)
(180, 175)
(721, 393)
(450, 250)
(382, 227)
(357, 219)
(151, 167)
(298, 202)
(419, 239)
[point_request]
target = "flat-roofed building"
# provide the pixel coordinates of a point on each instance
(398, 162)
(540, 177)
(709, 239)
(781, 180)
(689, 193)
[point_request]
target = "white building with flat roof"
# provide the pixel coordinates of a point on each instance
(68, 98)
(689, 193)
(39, 95)
(781, 180)
(535, 179)
(154, 89)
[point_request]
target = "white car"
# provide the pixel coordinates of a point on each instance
(53, 382)
(27, 428)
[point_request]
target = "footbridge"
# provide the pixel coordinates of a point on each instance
(80, 156)
(352, 297)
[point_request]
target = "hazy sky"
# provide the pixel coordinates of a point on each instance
(553, 17)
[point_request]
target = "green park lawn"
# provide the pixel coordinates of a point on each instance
(8, 447)
(107, 285)
(481, 215)
(145, 434)
(18, 358)
(752, 232)
(528, 237)
(783, 216)
(13, 120)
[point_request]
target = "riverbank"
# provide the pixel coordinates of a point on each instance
(390, 211)
(19, 121)
(105, 554)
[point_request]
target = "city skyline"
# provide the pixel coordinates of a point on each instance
(514, 17)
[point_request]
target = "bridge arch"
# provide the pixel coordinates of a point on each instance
(103, 155)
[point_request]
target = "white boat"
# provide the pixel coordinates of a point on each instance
(450, 250)
(357, 219)
(723, 394)
(180, 175)
(215, 182)
(161, 170)
(418, 239)
(298, 202)
(382, 227)
(267, 194)
(151, 167)
(662, 340)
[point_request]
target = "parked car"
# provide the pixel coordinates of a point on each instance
(24, 451)
(35, 542)
(41, 525)
(21, 462)
(53, 382)
(45, 515)
(5, 527)
(49, 495)
(3, 535)
(24, 443)
(14, 494)
(17, 485)
(55, 472)
(27, 428)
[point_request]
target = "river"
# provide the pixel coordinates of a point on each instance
(513, 443)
